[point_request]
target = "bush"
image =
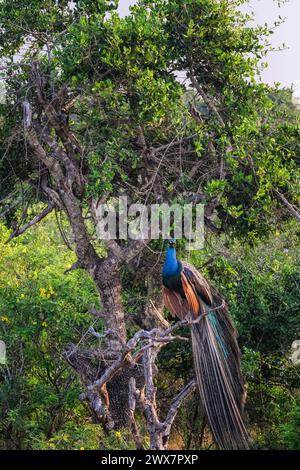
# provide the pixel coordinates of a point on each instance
(291, 429)
(41, 310)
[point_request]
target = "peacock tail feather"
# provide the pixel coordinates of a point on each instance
(220, 384)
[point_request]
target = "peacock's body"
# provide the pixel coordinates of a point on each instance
(187, 295)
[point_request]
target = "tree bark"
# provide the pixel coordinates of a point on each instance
(110, 290)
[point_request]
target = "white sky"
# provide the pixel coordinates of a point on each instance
(283, 66)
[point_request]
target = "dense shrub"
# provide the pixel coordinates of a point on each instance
(41, 310)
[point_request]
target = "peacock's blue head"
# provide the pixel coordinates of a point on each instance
(172, 242)
(170, 267)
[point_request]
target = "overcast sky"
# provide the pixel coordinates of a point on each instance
(283, 66)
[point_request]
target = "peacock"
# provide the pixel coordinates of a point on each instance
(188, 296)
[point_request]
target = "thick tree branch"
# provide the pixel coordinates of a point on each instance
(68, 140)
(85, 252)
(51, 164)
(72, 172)
(134, 247)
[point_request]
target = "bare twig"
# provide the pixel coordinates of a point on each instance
(160, 317)
(159, 431)
(157, 337)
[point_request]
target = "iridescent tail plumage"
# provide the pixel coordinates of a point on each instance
(221, 387)
(216, 354)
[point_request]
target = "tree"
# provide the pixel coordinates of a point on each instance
(94, 110)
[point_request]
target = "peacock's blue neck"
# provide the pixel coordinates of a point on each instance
(171, 266)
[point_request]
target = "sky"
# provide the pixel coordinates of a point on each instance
(283, 66)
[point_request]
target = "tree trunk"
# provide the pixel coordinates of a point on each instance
(118, 391)
(110, 289)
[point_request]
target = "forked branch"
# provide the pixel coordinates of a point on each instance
(142, 349)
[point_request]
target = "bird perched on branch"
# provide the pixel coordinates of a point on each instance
(188, 296)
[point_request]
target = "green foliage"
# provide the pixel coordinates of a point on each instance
(72, 436)
(80, 434)
(291, 429)
(121, 74)
(39, 395)
(41, 311)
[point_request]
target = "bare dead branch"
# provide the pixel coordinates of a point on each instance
(151, 342)
(92, 331)
(156, 313)
(287, 204)
(132, 405)
(32, 136)
(174, 408)
(27, 114)
(19, 231)
(159, 431)
(157, 339)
